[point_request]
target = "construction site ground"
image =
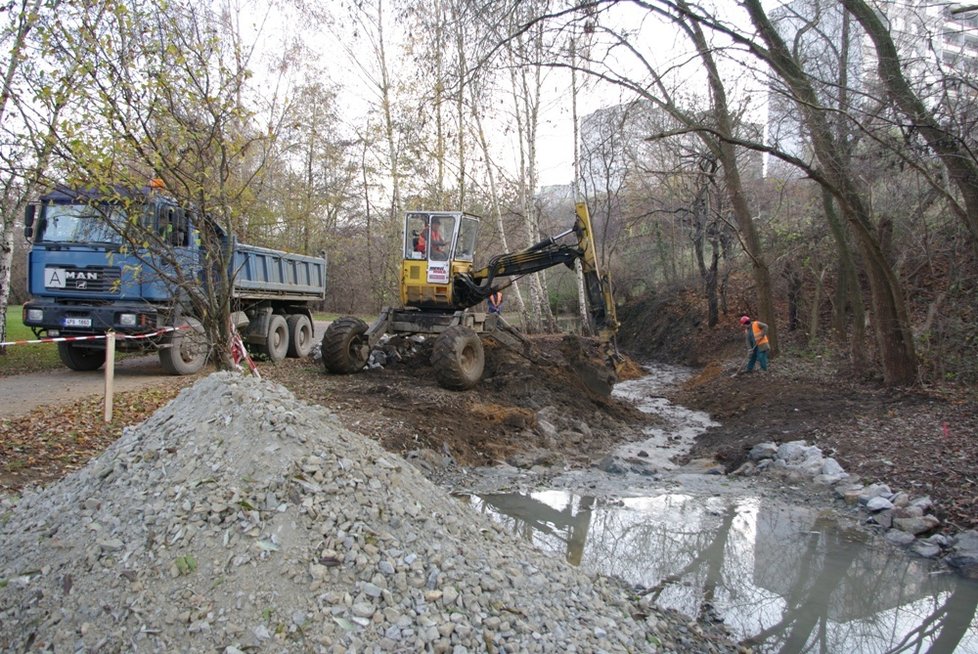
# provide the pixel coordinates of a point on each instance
(920, 440)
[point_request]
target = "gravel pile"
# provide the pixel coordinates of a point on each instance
(240, 519)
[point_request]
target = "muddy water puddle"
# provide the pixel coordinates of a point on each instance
(786, 579)
(781, 577)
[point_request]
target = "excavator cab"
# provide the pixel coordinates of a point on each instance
(438, 245)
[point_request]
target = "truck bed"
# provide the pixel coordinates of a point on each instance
(263, 273)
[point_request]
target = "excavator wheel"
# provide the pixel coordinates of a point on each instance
(344, 347)
(458, 358)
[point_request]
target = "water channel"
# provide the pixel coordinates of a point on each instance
(782, 577)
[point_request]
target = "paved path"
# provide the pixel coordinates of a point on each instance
(19, 394)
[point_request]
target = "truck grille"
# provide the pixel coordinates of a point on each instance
(92, 279)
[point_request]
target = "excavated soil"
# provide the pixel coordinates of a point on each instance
(920, 440)
(403, 408)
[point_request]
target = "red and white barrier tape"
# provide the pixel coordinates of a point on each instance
(239, 352)
(64, 339)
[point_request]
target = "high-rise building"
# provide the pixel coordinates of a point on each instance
(937, 44)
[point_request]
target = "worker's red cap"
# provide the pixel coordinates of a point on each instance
(744, 320)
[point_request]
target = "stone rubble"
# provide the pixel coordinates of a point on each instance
(238, 519)
(905, 522)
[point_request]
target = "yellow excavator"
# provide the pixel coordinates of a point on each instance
(440, 286)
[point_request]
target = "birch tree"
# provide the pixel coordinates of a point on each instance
(525, 54)
(23, 142)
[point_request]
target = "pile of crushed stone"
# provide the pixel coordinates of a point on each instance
(239, 519)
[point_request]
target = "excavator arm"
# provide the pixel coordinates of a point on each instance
(473, 287)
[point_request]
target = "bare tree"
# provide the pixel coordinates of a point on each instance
(957, 156)
(725, 151)
(148, 114)
(385, 237)
(524, 54)
(892, 321)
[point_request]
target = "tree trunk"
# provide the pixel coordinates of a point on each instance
(849, 297)
(393, 226)
(28, 17)
(731, 174)
(891, 320)
(463, 74)
(493, 195)
(793, 278)
(712, 300)
(6, 258)
(526, 97)
(815, 310)
(584, 316)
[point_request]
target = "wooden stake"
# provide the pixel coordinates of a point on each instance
(109, 372)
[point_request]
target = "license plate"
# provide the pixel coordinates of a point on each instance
(78, 322)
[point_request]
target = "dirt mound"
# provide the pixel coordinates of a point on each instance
(670, 327)
(402, 406)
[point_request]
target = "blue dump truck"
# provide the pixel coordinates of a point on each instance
(129, 261)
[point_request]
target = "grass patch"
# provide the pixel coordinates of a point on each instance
(19, 359)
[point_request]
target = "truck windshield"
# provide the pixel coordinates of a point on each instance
(81, 223)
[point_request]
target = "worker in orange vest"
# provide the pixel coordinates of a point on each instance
(495, 302)
(755, 332)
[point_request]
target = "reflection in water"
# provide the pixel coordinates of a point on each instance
(784, 578)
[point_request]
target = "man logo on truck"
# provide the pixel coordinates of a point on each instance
(60, 278)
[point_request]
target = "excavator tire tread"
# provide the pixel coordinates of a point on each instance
(343, 346)
(458, 358)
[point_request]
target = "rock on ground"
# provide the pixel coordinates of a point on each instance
(240, 519)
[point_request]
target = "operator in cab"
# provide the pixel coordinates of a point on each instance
(437, 242)
(420, 241)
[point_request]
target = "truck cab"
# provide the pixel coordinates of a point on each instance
(84, 277)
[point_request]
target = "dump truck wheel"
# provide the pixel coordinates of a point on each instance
(300, 335)
(80, 358)
(345, 348)
(187, 351)
(277, 339)
(458, 358)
